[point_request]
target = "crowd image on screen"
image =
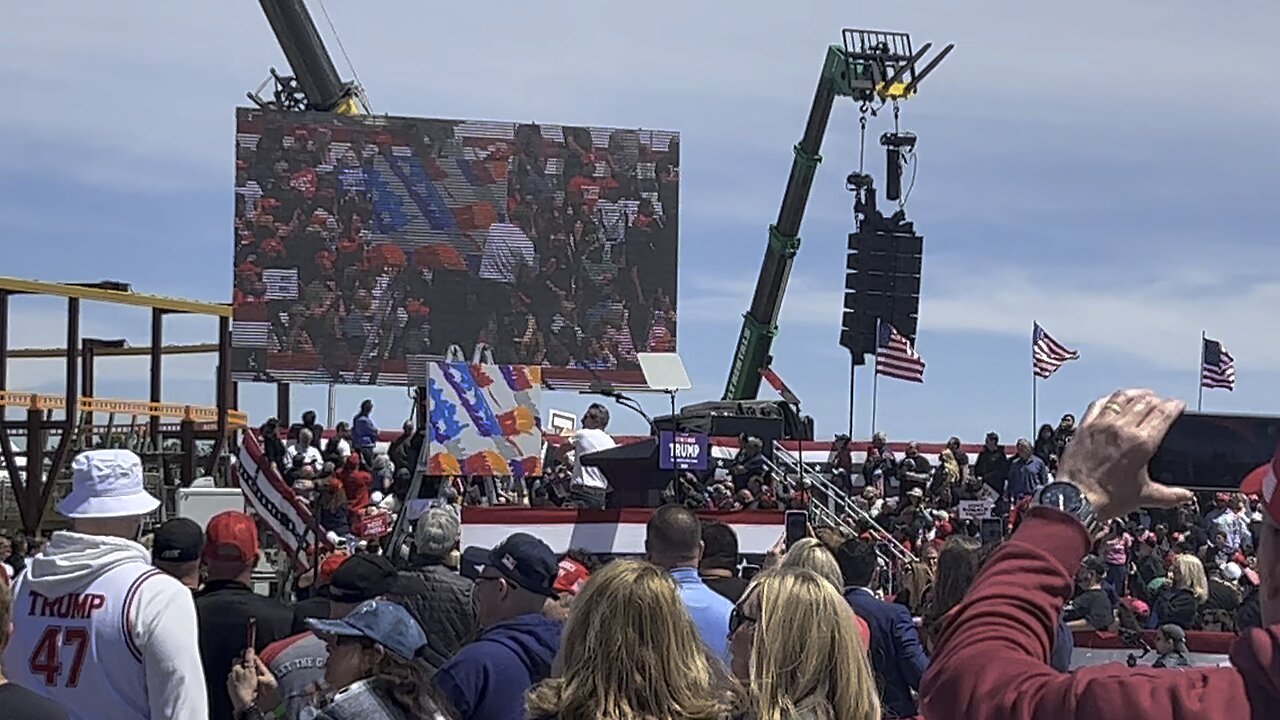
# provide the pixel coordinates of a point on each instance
(362, 245)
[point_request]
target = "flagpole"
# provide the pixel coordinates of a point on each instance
(852, 367)
(1034, 386)
(875, 380)
(1200, 376)
(1033, 383)
(875, 392)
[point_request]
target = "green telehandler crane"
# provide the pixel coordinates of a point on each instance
(872, 67)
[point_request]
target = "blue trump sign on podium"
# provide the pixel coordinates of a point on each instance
(682, 451)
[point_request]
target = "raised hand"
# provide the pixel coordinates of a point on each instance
(1109, 454)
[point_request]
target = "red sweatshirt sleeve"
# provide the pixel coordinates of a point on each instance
(992, 659)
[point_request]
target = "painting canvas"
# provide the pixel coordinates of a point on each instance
(485, 419)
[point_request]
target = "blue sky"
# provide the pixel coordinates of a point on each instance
(1106, 169)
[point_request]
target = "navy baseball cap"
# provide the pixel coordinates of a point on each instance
(527, 562)
(178, 540)
(381, 621)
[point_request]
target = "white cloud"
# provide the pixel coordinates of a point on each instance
(148, 104)
(1158, 322)
(1154, 313)
(807, 303)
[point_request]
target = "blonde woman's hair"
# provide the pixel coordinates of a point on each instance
(948, 460)
(811, 554)
(807, 655)
(1188, 574)
(630, 652)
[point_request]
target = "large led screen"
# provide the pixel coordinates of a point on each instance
(367, 247)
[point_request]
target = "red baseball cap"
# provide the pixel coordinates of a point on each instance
(231, 536)
(1138, 607)
(1262, 482)
(570, 577)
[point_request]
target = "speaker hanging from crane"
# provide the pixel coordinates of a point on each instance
(885, 254)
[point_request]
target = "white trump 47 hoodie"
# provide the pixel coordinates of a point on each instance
(104, 634)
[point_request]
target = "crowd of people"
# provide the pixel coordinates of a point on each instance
(361, 243)
(103, 627)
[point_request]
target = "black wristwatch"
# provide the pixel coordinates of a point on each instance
(1069, 499)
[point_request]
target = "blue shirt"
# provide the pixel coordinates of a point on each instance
(1026, 477)
(709, 610)
(364, 434)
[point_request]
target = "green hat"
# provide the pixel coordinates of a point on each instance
(1154, 586)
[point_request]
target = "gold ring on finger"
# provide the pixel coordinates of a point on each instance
(1113, 407)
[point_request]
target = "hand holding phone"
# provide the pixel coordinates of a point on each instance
(251, 638)
(796, 523)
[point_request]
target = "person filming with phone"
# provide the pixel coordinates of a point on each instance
(991, 662)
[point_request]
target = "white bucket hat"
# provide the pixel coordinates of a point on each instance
(107, 483)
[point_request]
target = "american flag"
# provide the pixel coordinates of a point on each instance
(896, 358)
(1047, 354)
(1217, 367)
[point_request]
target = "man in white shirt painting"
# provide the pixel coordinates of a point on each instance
(589, 488)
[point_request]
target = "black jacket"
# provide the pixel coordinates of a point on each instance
(1178, 607)
(443, 603)
(223, 609)
(1223, 596)
(914, 472)
(1249, 614)
(1149, 568)
(399, 452)
(992, 467)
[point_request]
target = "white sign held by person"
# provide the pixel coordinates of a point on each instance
(273, 500)
(974, 509)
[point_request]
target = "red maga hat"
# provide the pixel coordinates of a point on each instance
(1262, 482)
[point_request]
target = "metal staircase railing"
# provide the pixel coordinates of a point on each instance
(835, 504)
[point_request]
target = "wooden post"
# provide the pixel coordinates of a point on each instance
(71, 422)
(4, 344)
(157, 360)
(223, 387)
(33, 481)
(86, 367)
(187, 438)
(282, 405)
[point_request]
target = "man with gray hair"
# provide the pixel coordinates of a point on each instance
(440, 600)
(304, 448)
(1027, 473)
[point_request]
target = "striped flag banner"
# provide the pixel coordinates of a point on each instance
(1047, 354)
(1217, 367)
(895, 357)
(274, 502)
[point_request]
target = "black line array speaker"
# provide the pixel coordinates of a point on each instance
(882, 281)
